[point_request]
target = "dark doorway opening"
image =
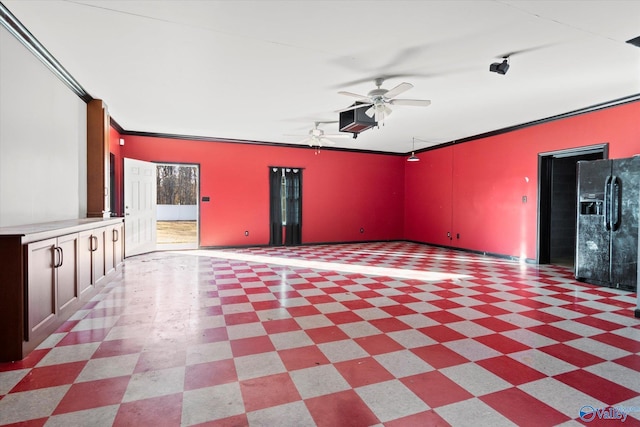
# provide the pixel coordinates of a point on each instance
(112, 185)
(285, 199)
(557, 195)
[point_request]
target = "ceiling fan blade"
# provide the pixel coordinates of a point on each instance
(338, 135)
(402, 87)
(326, 141)
(371, 111)
(414, 102)
(353, 95)
(353, 107)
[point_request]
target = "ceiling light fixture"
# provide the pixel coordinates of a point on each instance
(500, 67)
(413, 157)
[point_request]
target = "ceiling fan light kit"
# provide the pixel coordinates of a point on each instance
(317, 138)
(378, 102)
(366, 112)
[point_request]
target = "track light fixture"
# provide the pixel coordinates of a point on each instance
(500, 67)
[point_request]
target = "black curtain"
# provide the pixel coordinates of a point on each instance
(293, 229)
(275, 206)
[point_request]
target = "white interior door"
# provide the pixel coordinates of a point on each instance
(139, 206)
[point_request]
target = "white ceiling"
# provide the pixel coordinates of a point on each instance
(261, 70)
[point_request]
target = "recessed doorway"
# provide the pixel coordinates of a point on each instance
(177, 225)
(557, 195)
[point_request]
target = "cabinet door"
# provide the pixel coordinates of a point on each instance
(118, 244)
(97, 252)
(67, 273)
(109, 262)
(42, 257)
(85, 262)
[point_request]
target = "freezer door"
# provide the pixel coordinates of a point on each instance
(625, 203)
(592, 234)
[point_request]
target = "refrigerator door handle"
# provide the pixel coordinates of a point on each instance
(616, 200)
(607, 203)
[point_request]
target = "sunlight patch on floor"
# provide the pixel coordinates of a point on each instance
(427, 276)
(444, 257)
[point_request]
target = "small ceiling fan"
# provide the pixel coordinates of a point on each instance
(379, 99)
(317, 138)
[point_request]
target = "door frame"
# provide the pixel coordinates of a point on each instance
(177, 246)
(545, 163)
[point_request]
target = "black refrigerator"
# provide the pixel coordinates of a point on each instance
(607, 222)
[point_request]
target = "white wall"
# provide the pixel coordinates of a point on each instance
(177, 212)
(43, 133)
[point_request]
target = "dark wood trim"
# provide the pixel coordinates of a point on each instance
(116, 126)
(590, 109)
(249, 142)
(579, 151)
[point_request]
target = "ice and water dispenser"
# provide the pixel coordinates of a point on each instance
(592, 204)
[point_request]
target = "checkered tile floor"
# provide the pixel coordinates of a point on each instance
(385, 334)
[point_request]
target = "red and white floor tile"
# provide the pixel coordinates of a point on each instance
(378, 334)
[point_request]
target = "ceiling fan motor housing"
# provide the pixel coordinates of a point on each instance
(356, 121)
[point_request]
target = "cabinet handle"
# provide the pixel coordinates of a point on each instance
(116, 235)
(57, 257)
(94, 247)
(61, 256)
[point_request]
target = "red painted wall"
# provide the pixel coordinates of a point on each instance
(489, 176)
(473, 190)
(342, 191)
(428, 186)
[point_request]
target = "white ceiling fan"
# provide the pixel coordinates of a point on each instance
(379, 99)
(317, 138)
